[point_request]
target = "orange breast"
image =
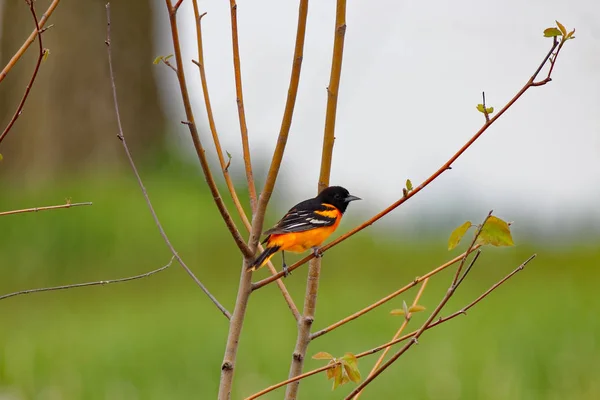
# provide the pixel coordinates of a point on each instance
(299, 242)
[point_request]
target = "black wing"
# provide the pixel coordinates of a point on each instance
(302, 217)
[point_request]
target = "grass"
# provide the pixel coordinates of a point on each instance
(537, 337)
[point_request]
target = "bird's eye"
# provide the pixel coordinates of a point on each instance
(337, 196)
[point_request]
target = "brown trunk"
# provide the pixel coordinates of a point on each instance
(68, 122)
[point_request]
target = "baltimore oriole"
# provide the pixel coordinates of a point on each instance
(306, 225)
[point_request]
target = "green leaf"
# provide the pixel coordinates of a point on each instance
(495, 232)
(350, 363)
(338, 375)
(331, 371)
(562, 28)
(46, 54)
(480, 108)
(409, 185)
(416, 308)
(1, 157)
(570, 35)
(490, 110)
(552, 32)
(167, 57)
(397, 311)
(322, 355)
(228, 154)
(157, 60)
(457, 235)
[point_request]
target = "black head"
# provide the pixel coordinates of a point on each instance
(337, 196)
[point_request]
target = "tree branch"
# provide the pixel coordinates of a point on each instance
(446, 166)
(432, 316)
(41, 54)
(240, 105)
(36, 209)
(235, 233)
(78, 285)
(399, 332)
(29, 40)
(314, 271)
(400, 339)
(219, 150)
(121, 137)
(245, 286)
(286, 124)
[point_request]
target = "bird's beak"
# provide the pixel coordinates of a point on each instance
(350, 198)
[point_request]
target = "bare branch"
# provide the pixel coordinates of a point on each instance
(314, 271)
(36, 209)
(190, 122)
(41, 54)
(29, 40)
(245, 287)
(286, 124)
(390, 296)
(96, 283)
(432, 316)
(400, 339)
(240, 105)
(121, 136)
(446, 166)
(221, 157)
(399, 332)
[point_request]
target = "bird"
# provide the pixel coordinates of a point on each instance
(305, 226)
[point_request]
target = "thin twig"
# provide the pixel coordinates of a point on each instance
(223, 163)
(446, 166)
(377, 349)
(96, 283)
(245, 286)
(390, 296)
(190, 123)
(240, 105)
(286, 124)
(473, 261)
(36, 209)
(42, 51)
(314, 271)
(432, 316)
(29, 40)
(178, 4)
(121, 136)
(398, 332)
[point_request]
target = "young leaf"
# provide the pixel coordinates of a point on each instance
(480, 108)
(330, 372)
(157, 60)
(570, 35)
(169, 56)
(404, 307)
(46, 54)
(338, 375)
(562, 28)
(552, 32)
(397, 311)
(495, 232)
(457, 235)
(228, 154)
(350, 363)
(490, 110)
(1, 157)
(322, 355)
(409, 185)
(416, 308)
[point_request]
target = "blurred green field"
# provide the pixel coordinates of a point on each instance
(537, 337)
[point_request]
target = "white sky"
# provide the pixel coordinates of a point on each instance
(413, 73)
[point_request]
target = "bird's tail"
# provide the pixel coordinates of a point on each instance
(263, 258)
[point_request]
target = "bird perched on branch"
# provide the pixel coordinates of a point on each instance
(305, 226)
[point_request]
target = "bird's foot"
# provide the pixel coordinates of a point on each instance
(317, 252)
(286, 271)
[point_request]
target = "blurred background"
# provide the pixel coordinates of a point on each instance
(413, 73)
